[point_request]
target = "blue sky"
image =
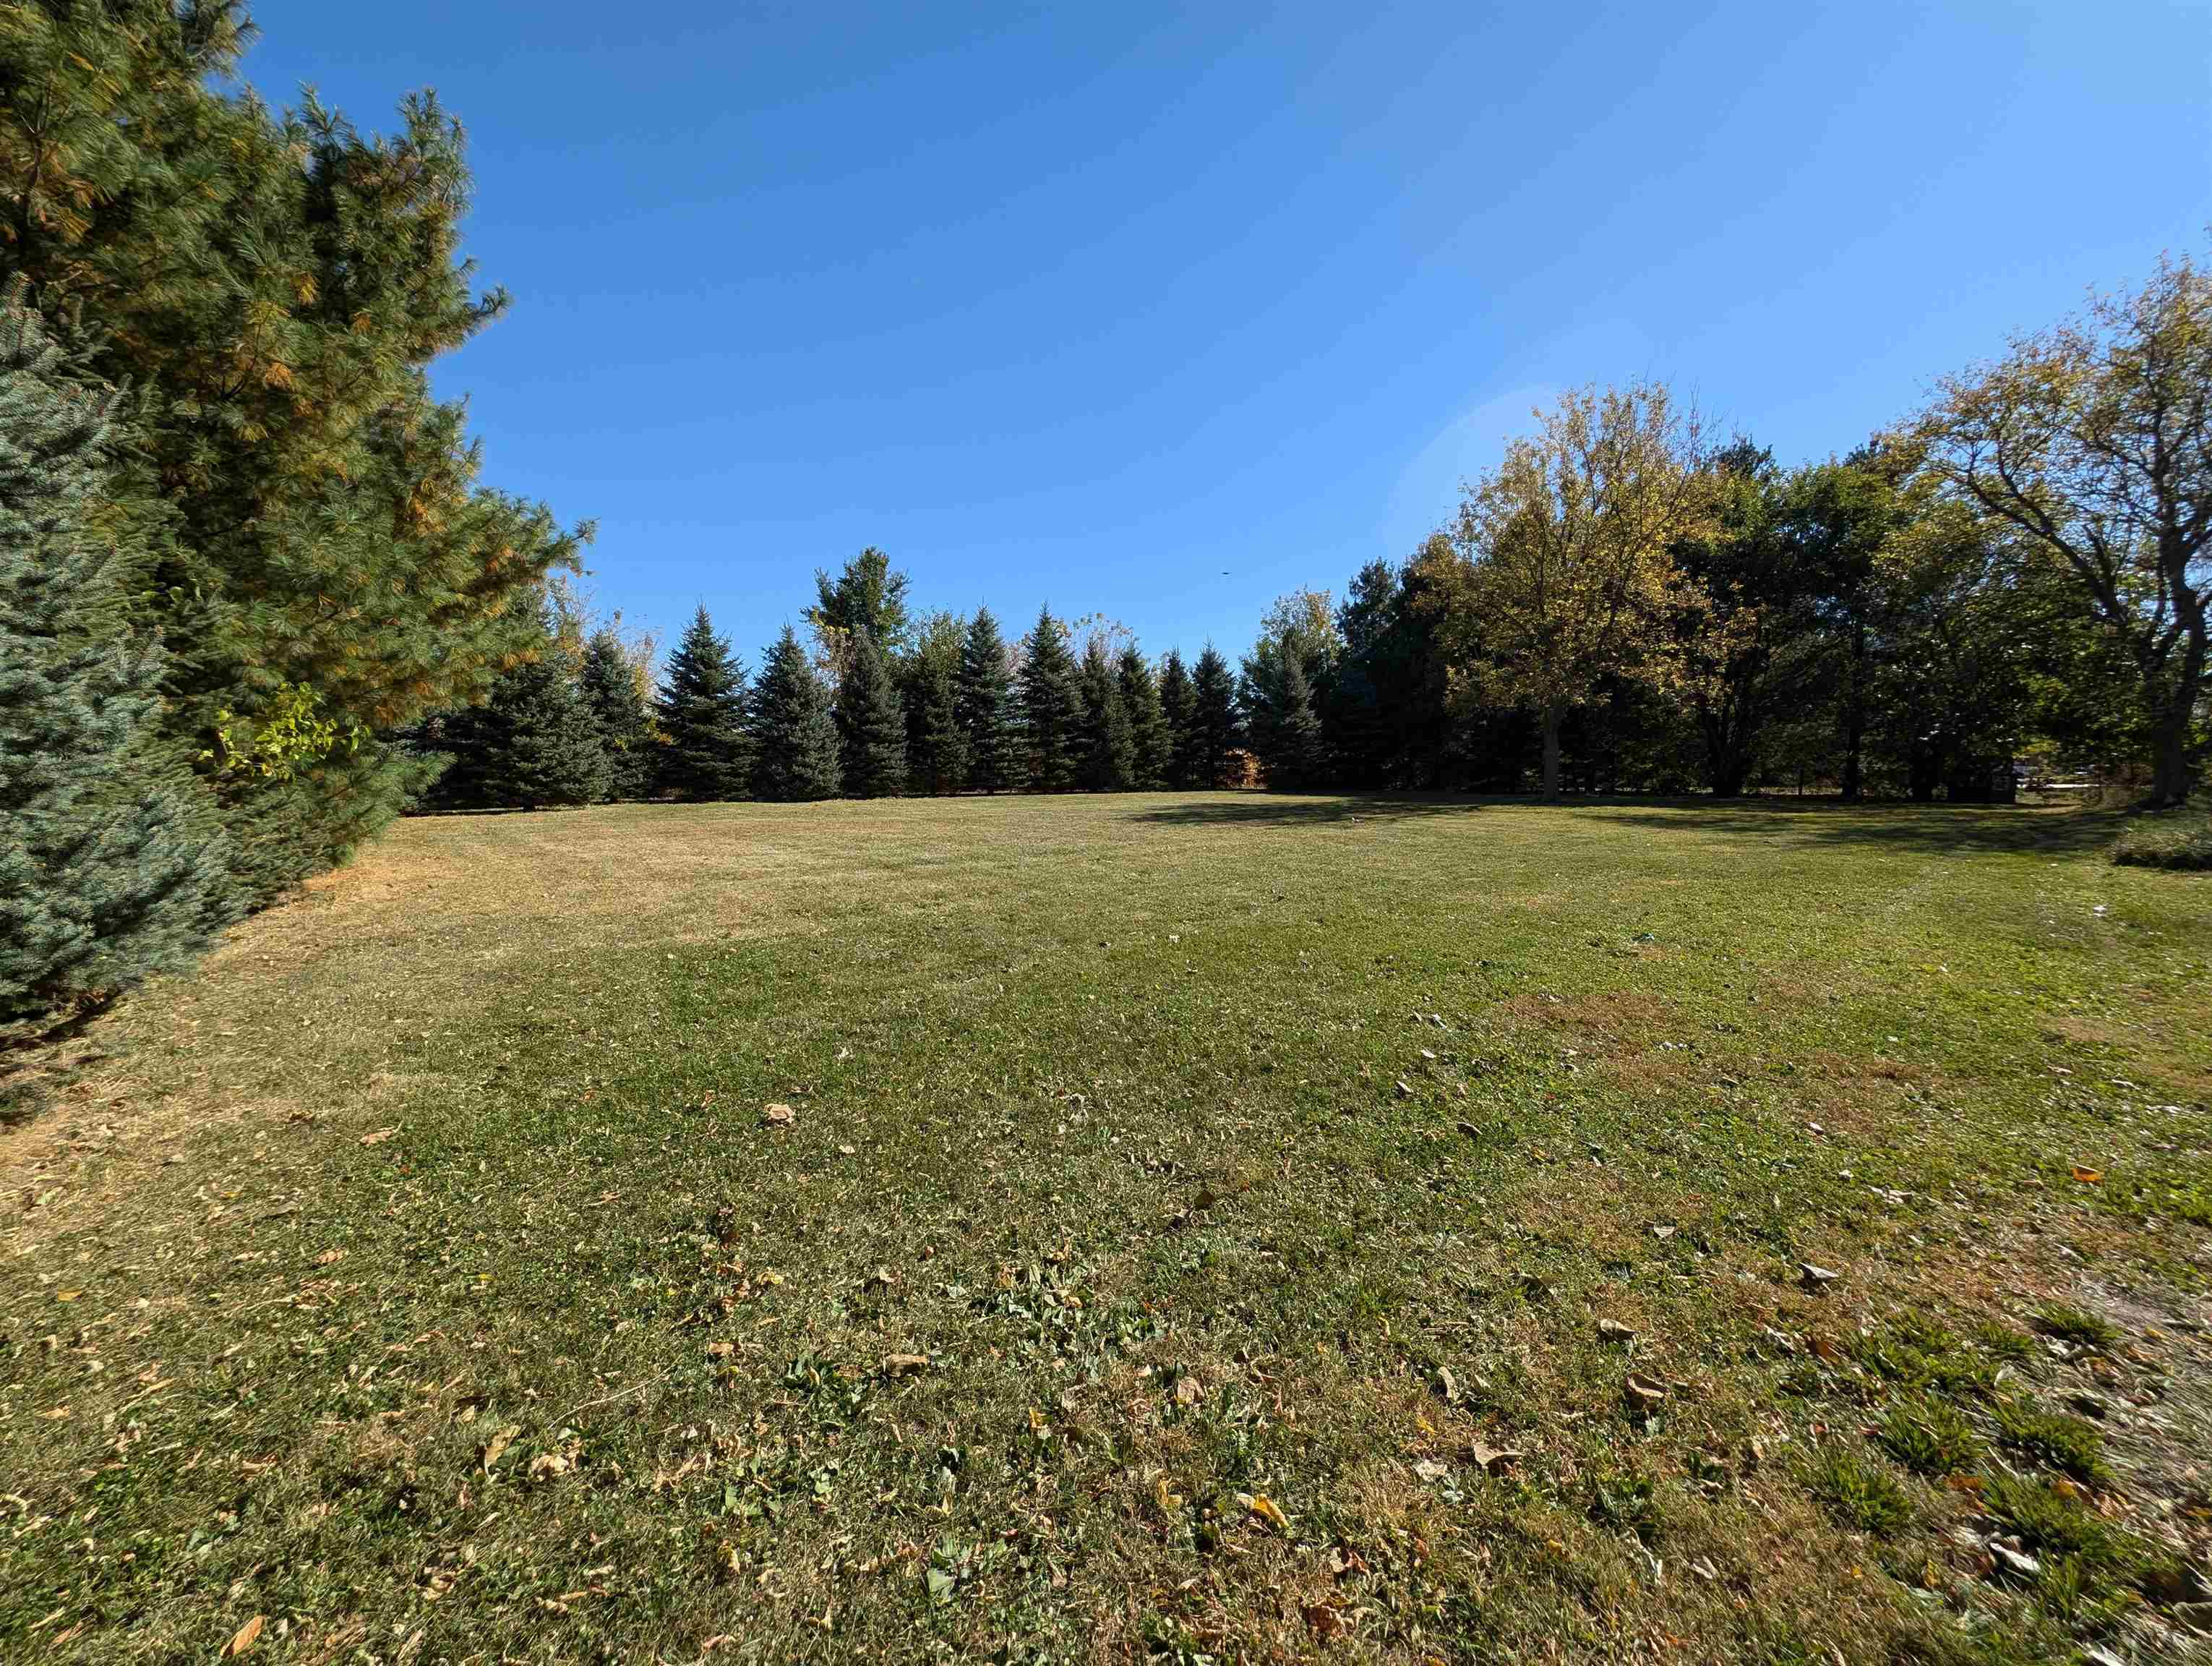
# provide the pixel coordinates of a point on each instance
(1163, 312)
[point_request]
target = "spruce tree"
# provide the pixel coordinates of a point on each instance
(113, 866)
(794, 735)
(1179, 709)
(1148, 722)
(701, 713)
(1214, 732)
(1052, 707)
(985, 705)
(1279, 718)
(534, 745)
(1108, 750)
(866, 598)
(929, 680)
(617, 706)
(870, 727)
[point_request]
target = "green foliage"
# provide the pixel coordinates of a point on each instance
(1179, 714)
(794, 735)
(1215, 733)
(534, 745)
(112, 863)
(1107, 743)
(928, 681)
(983, 704)
(870, 728)
(276, 284)
(1150, 744)
(609, 685)
(707, 752)
(1277, 705)
(1051, 707)
(866, 598)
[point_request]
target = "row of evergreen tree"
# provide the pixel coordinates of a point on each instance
(949, 706)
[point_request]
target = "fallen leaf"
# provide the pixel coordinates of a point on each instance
(905, 1365)
(1815, 1278)
(380, 1135)
(498, 1444)
(67, 1295)
(1494, 1460)
(778, 1116)
(1267, 1510)
(1611, 1330)
(1324, 1620)
(244, 1637)
(1642, 1393)
(2087, 1177)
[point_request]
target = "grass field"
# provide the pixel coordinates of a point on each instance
(1220, 1227)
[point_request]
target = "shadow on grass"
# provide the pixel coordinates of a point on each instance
(1931, 827)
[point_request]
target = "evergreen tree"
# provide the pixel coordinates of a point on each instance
(984, 703)
(617, 706)
(794, 735)
(1148, 722)
(1052, 707)
(534, 745)
(866, 598)
(1108, 746)
(1279, 718)
(278, 284)
(870, 728)
(702, 712)
(111, 864)
(929, 680)
(1179, 711)
(1214, 732)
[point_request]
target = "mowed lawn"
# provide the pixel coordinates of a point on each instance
(1217, 1227)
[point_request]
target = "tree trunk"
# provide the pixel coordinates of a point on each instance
(1551, 751)
(2172, 777)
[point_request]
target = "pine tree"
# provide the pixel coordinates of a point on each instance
(870, 727)
(1108, 750)
(278, 284)
(1179, 707)
(610, 692)
(1284, 729)
(794, 735)
(1214, 733)
(111, 864)
(702, 712)
(866, 598)
(534, 745)
(1148, 722)
(984, 704)
(1052, 707)
(928, 681)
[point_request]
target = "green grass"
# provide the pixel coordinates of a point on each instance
(1187, 1240)
(2068, 1443)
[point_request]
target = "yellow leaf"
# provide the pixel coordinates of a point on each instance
(244, 1639)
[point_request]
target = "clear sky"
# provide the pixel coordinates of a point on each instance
(1161, 312)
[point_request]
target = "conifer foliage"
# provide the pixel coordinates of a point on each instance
(1148, 721)
(535, 745)
(112, 866)
(1052, 707)
(609, 685)
(701, 714)
(1179, 714)
(984, 703)
(1109, 754)
(870, 727)
(794, 735)
(1214, 730)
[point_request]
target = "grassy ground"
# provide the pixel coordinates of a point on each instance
(1220, 1228)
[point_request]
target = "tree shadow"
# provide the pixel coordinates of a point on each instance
(1247, 808)
(1931, 827)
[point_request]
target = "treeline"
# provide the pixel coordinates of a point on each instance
(241, 546)
(877, 702)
